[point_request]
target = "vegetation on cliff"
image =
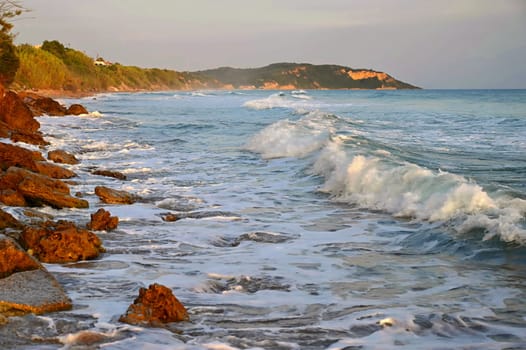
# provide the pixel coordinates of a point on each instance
(52, 66)
(8, 58)
(305, 76)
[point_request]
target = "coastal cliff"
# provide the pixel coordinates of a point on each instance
(57, 70)
(289, 76)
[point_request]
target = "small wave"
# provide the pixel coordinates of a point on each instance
(220, 284)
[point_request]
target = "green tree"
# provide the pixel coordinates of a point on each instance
(9, 61)
(54, 47)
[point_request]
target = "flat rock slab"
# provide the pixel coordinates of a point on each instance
(35, 291)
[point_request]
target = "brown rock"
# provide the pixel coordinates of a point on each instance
(11, 155)
(155, 306)
(54, 171)
(12, 198)
(76, 109)
(35, 291)
(169, 217)
(110, 173)
(39, 189)
(102, 220)
(16, 114)
(35, 138)
(41, 105)
(7, 220)
(110, 196)
(14, 259)
(60, 242)
(60, 156)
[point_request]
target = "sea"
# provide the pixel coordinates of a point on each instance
(306, 220)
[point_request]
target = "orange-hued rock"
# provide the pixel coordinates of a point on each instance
(155, 306)
(76, 109)
(54, 171)
(110, 173)
(60, 242)
(102, 220)
(60, 156)
(12, 155)
(16, 114)
(12, 198)
(14, 259)
(34, 138)
(111, 196)
(39, 189)
(40, 105)
(7, 220)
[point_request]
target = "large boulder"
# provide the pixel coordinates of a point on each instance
(16, 114)
(111, 196)
(25, 285)
(39, 189)
(60, 156)
(12, 155)
(102, 220)
(41, 105)
(61, 242)
(155, 306)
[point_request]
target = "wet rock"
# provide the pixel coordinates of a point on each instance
(38, 189)
(12, 198)
(34, 138)
(111, 196)
(14, 259)
(12, 155)
(60, 242)
(54, 171)
(8, 221)
(110, 173)
(15, 113)
(40, 105)
(169, 217)
(60, 156)
(76, 109)
(155, 306)
(102, 220)
(35, 291)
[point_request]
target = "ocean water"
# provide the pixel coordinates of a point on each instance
(309, 219)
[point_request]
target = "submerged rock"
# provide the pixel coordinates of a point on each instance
(102, 220)
(60, 242)
(60, 156)
(155, 306)
(111, 196)
(110, 173)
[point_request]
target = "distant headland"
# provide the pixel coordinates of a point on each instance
(57, 70)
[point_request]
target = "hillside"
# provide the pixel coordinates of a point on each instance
(304, 76)
(53, 67)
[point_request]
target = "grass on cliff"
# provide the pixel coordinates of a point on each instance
(56, 67)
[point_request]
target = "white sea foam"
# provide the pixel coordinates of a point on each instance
(288, 138)
(408, 190)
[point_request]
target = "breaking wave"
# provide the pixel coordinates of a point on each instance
(377, 182)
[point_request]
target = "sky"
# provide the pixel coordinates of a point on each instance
(429, 43)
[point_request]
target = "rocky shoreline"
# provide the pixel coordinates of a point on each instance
(28, 180)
